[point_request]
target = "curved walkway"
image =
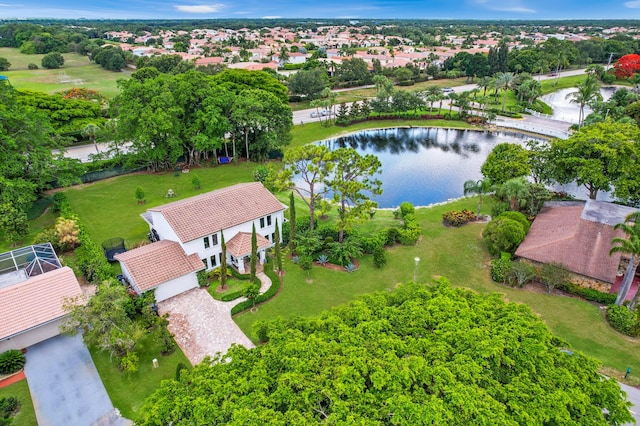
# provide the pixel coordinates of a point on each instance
(203, 326)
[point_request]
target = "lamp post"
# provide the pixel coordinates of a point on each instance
(415, 270)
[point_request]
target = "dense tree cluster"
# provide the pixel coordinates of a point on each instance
(418, 354)
(168, 116)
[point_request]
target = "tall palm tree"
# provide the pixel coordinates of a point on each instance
(485, 83)
(631, 246)
(452, 96)
(480, 187)
(504, 81)
(587, 93)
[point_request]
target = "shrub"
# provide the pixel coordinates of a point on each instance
(61, 203)
(379, 257)
(52, 60)
(196, 182)
(323, 259)
(498, 208)
(406, 208)
(261, 173)
(11, 361)
(203, 278)
(589, 294)
(350, 267)
(67, 233)
(272, 291)
(140, 195)
(179, 368)
(553, 275)
(261, 330)
(518, 217)
(32, 66)
(393, 236)
(458, 218)
(8, 408)
(501, 268)
(503, 235)
(623, 319)
(522, 273)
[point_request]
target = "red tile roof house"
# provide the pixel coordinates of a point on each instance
(188, 234)
(578, 235)
(33, 290)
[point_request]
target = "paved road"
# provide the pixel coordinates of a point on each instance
(633, 395)
(65, 386)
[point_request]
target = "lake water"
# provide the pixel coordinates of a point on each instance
(425, 165)
(564, 109)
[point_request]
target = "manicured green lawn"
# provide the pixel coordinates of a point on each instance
(26, 416)
(233, 286)
(128, 391)
(76, 67)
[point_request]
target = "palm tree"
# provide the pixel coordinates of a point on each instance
(588, 92)
(504, 81)
(485, 83)
(90, 131)
(631, 246)
(480, 187)
(514, 190)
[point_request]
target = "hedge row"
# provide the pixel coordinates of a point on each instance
(273, 290)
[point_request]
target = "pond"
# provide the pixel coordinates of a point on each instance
(565, 110)
(425, 165)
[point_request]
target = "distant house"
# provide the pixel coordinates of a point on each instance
(188, 235)
(33, 290)
(577, 234)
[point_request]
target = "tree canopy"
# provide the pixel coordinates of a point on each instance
(506, 161)
(417, 355)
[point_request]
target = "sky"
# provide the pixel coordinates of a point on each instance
(376, 9)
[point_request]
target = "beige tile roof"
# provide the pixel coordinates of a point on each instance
(240, 244)
(36, 301)
(154, 264)
(195, 217)
(558, 234)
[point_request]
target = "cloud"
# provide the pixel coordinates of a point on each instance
(508, 6)
(271, 17)
(633, 4)
(200, 8)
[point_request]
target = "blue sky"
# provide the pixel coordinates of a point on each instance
(403, 9)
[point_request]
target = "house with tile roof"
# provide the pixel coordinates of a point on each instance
(187, 237)
(578, 235)
(33, 289)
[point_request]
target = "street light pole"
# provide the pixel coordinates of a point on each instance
(415, 270)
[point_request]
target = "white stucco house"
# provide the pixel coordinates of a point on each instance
(187, 237)
(33, 289)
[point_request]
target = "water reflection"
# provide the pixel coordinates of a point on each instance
(425, 165)
(565, 110)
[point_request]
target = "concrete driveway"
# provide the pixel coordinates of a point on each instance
(202, 325)
(65, 386)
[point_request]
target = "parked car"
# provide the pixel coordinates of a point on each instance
(322, 113)
(447, 90)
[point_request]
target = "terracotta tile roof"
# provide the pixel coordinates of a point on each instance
(558, 234)
(36, 301)
(240, 244)
(195, 217)
(154, 264)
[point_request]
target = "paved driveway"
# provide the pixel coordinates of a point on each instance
(202, 325)
(65, 386)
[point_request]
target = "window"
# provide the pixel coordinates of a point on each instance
(206, 242)
(269, 220)
(213, 259)
(214, 240)
(205, 263)
(262, 222)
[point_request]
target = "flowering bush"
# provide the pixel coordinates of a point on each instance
(458, 218)
(626, 66)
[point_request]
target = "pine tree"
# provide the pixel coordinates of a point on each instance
(292, 223)
(223, 263)
(254, 254)
(277, 248)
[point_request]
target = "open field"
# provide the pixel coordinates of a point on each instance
(77, 71)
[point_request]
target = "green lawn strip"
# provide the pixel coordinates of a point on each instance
(27, 415)
(128, 391)
(460, 255)
(233, 286)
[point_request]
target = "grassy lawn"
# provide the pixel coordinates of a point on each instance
(233, 286)
(128, 391)
(76, 67)
(26, 416)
